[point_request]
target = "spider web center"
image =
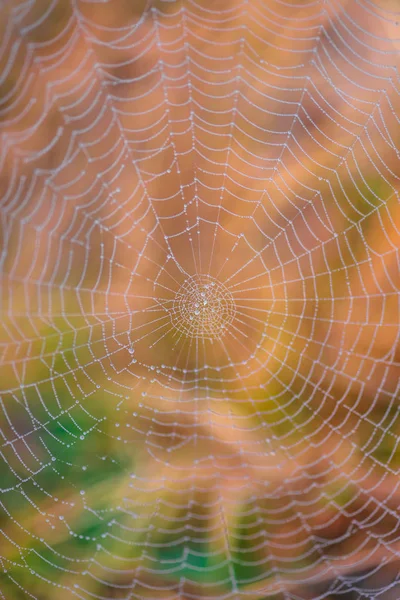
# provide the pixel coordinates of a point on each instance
(203, 308)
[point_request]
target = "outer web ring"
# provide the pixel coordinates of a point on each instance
(203, 308)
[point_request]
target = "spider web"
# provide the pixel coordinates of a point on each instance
(199, 370)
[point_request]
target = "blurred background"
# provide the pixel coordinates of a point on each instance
(199, 296)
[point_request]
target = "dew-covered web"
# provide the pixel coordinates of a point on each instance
(199, 283)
